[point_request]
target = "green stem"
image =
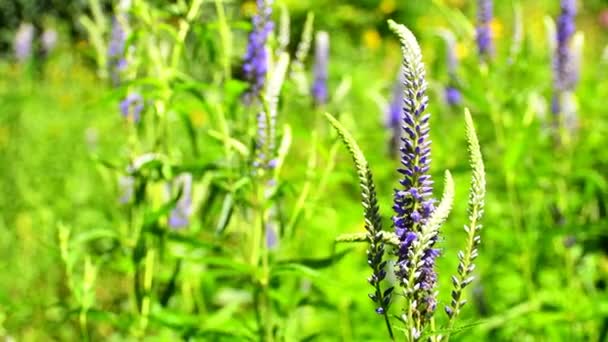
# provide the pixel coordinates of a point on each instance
(83, 324)
(225, 37)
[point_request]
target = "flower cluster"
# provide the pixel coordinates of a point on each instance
(319, 86)
(484, 30)
(255, 65)
(413, 202)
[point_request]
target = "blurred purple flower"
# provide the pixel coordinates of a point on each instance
(272, 240)
(566, 74)
(452, 96)
(23, 41)
(566, 65)
(180, 215)
(49, 40)
(484, 31)
(394, 113)
(319, 87)
(255, 64)
(132, 106)
(116, 48)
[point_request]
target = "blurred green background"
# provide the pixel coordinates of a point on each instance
(543, 265)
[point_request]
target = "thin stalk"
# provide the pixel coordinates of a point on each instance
(148, 277)
(184, 27)
(467, 263)
(83, 324)
(225, 38)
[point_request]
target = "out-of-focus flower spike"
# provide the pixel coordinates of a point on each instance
(117, 61)
(284, 30)
(305, 40)
(518, 32)
(484, 30)
(394, 113)
(566, 65)
(255, 64)
(320, 93)
(452, 93)
(23, 41)
(297, 73)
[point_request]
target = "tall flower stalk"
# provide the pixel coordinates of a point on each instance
(417, 221)
(319, 90)
(566, 63)
(413, 203)
(266, 164)
(466, 257)
(48, 39)
(117, 60)
(255, 64)
(484, 30)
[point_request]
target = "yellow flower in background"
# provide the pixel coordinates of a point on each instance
(248, 8)
(197, 117)
(371, 39)
(462, 50)
(497, 28)
(387, 6)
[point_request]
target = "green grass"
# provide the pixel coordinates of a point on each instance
(60, 129)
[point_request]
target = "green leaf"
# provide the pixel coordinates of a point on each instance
(317, 263)
(225, 214)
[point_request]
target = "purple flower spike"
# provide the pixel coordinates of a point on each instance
(412, 201)
(23, 41)
(319, 87)
(566, 68)
(180, 215)
(484, 31)
(132, 106)
(116, 48)
(255, 64)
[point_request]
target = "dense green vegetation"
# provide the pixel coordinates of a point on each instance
(79, 262)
